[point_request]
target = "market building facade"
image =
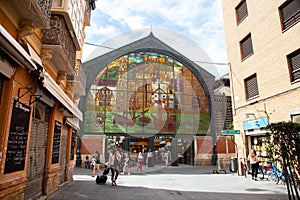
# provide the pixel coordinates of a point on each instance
(147, 96)
(40, 81)
(263, 48)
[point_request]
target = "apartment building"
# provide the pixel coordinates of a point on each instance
(263, 46)
(40, 87)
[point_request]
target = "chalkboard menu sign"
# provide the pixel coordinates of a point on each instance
(73, 142)
(17, 139)
(56, 142)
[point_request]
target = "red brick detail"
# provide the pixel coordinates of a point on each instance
(91, 144)
(204, 146)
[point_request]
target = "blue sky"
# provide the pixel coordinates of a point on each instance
(200, 21)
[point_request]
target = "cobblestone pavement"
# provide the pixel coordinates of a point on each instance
(180, 182)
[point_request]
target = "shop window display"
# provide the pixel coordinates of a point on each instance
(259, 143)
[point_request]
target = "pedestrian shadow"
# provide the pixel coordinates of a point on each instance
(256, 190)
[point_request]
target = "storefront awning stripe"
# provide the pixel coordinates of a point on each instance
(15, 50)
(60, 95)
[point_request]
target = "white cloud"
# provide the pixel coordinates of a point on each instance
(199, 20)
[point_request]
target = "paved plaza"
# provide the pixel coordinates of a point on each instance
(181, 182)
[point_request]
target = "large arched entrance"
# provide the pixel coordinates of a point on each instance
(146, 96)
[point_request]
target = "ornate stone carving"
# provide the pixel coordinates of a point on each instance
(26, 29)
(46, 55)
(61, 77)
(77, 68)
(70, 88)
(76, 99)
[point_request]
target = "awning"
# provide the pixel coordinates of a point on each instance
(60, 95)
(11, 47)
(73, 122)
(45, 97)
(6, 68)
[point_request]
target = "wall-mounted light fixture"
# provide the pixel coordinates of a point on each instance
(247, 115)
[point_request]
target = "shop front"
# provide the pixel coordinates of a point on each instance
(177, 150)
(255, 131)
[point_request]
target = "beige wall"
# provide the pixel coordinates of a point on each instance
(277, 95)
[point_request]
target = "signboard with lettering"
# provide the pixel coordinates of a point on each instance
(17, 139)
(230, 132)
(56, 142)
(256, 124)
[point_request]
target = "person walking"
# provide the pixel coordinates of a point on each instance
(127, 164)
(150, 158)
(96, 163)
(254, 162)
(140, 162)
(166, 157)
(114, 165)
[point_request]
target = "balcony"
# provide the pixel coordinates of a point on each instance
(62, 8)
(37, 11)
(58, 39)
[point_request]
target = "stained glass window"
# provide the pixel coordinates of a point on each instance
(146, 93)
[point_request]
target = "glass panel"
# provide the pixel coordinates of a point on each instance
(146, 93)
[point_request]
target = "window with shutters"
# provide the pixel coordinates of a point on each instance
(246, 47)
(251, 86)
(290, 13)
(294, 65)
(241, 11)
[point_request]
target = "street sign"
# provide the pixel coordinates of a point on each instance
(230, 132)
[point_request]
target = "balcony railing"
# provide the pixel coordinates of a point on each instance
(37, 11)
(59, 40)
(45, 6)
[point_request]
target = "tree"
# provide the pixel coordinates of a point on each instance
(284, 141)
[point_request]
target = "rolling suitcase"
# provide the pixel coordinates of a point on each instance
(101, 179)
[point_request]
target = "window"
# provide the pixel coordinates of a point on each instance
(294, 65)
(246, 47)
(241, 11)
(290, 13)
(251, 86)
(296, 118)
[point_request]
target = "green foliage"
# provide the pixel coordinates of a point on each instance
(284, 140)
(284, 144)
(231, 126)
